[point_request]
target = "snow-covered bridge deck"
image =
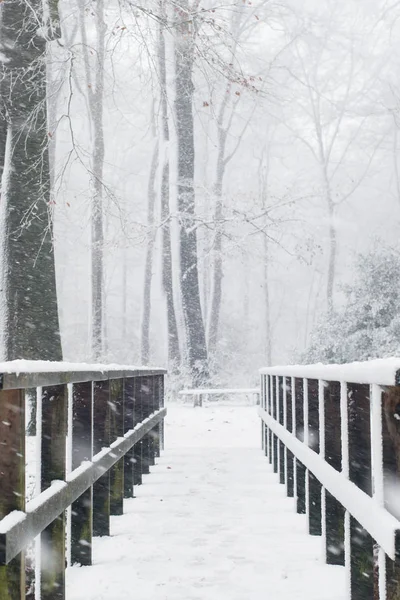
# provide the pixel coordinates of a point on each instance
(210, 522)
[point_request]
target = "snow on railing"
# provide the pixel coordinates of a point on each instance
(332, 433)
(99, 428)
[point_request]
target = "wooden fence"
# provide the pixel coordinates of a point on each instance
(332, 433)
(98, 432)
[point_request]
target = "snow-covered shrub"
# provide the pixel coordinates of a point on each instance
(368, 324)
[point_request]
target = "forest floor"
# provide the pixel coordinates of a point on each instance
(210, 522)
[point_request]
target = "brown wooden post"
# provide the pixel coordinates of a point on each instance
(334, 511)
(274, 407)
(151, 408)
(156, 406)
(101, 439)
(391, 476)
(161, 405)
(53, 467)
(269, 410)
(314, 486)
(82, 508)
(137, 472)
(145, 391)
(281, 411)
(300, 468)
(12, 485)
(128, 424)
(360, 473)
(289, 426)
(117, 430)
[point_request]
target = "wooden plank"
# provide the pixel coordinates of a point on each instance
(101, 439)
(117, 430)
(61, 375)
(82, 509)
(12, 486)
(53, 454)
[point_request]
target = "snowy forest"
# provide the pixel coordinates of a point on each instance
(209, 186)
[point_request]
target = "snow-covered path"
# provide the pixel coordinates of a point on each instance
(211, 522)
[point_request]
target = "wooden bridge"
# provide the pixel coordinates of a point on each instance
(215, 517)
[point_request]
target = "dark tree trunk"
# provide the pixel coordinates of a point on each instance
(174, 354)
(31, 325)
(189, 277)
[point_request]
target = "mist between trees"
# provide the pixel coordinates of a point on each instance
(193, 183)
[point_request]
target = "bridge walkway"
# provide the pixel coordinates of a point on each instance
(211, 522)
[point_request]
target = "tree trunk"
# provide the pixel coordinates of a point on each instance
(148, 269)
(31, 325)
(174, 354)
(97, 200)
(189, 277)
(267, 311)
(217, 273)
(332, 245)
(96, 92)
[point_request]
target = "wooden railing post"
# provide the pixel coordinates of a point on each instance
(281, 397)
(289, 427)
(269, 410)
(156, 430)
(147, 399)
(334, 511)
(12, 485)
(82, 443)
(53, 467)
(360, 473)
(138, 412)
(161, 405)
(390, 407)
(274, 402)
(101, 439)
(117, 430)
(314, 486)
(300, 469)
(152, 403)
(128, 424)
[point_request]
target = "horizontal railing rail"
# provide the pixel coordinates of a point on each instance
(99, 429)
(332, 434)
(199, 393)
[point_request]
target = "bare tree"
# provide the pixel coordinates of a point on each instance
(332, 121)
(185, 35)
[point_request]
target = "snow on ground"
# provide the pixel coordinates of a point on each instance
(210, 522)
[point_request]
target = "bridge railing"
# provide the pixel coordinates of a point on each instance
(332, 434)
(99, 428)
